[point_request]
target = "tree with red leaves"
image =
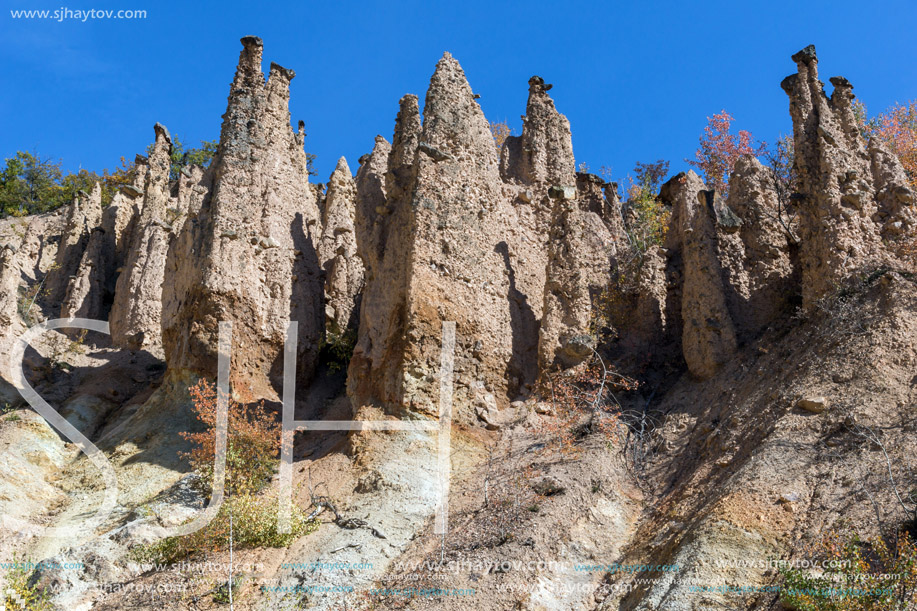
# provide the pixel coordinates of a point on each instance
(719, 150)
(896, 128)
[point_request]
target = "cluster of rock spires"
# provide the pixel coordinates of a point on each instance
(855, 196)
(513, 245)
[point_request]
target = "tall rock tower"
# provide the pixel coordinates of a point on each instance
(249, 255)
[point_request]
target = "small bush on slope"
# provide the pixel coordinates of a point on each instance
(245, 519)
(857, 576)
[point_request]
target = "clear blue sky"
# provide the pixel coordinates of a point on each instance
(636, 80)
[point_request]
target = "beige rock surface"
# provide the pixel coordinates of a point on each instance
(581, 255)
(708, 334)
(760, 273)
(337, 251)
(136, 314)
(83, 215)
(88, 292)
(852, 195)
(756, 419)
(252, 257)
(452, 241)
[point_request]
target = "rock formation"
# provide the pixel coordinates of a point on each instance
(25, 262)
(454, 234)
(601, 198)
(708, 335)
(9, 285)
(544, 151)
(519, 251)
(371, 217)
(89, 289)
(405, 141)
(756, 249)
(116, 221)
(853, 197)
(83, 216)
(895, 199)
(581, 256)
(337, 251)
(437, 252)
(382, 218)
(249, 254)
(727, 269)
(136, 313)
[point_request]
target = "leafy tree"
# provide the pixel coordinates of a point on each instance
(252, 444)
(647, 217)
(646, 221)
(719, 150)
(246, 519)
(857, 575)
(113, 181)
(84, 180)
(29, 184)
(310, 164)
(896, 128)
(781, 159)
(650, 175)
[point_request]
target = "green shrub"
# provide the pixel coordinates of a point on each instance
(337, 348)
(254, 524)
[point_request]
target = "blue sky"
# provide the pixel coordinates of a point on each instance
(636, 80)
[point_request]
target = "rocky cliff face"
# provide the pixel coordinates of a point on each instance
(527, 257)
(83, 216)
(512, 245)
(727, 269)
(708, 335)
(441, 252)
(581, 255)
(136, 320)
(543, 154)
(758, 250)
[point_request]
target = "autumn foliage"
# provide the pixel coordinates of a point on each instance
(896, 128)
(719, 150)
(247, 517)
(646, 218)
(500, 131)
(253, 441)
(855, 575)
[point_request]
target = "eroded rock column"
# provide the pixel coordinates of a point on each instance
(249, 255)
(136, 314)
(338, 251)
(838, 233)
(708, 334)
